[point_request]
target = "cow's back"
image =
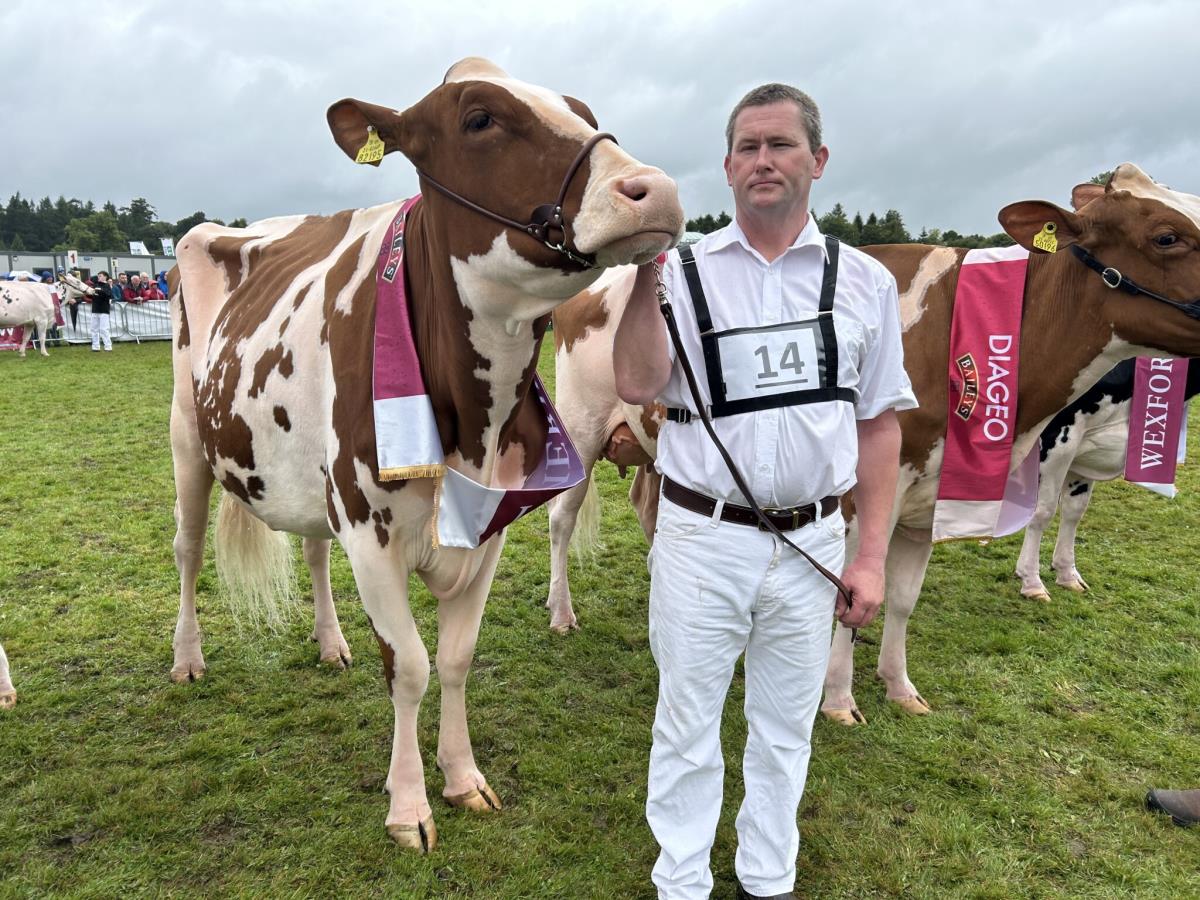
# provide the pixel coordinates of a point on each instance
(256, 309)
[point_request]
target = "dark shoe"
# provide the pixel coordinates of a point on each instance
(743, 894)
(1182, 806)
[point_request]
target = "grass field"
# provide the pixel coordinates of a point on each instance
(265, 778)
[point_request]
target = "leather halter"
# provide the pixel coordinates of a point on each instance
(544, 218)
(1114, 279)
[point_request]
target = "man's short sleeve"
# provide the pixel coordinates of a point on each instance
(883, 383)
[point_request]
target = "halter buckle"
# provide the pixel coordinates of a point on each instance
(1104, 276)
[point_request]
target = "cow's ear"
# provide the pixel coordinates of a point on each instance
(1029, 218)
(1083, 194)
(364, 131)
(581, 109)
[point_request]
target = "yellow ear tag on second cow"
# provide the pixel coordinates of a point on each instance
(1045, 239)
(372, 150)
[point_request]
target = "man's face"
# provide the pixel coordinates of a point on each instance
(136, 281)
(770, 166)
(122, 278)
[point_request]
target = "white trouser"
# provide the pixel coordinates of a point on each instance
(718, 589)
(100, 331)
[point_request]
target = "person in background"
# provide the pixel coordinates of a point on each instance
(133, 292)
(101, 310)
(150, 289)
(119, 285)
(162, 284)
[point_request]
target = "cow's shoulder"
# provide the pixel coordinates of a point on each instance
(598, 309)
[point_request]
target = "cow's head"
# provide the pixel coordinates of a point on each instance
(507, 146)
(1139, 229)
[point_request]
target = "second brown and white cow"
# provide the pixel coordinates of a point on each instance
(273, 372)
(1075, 328)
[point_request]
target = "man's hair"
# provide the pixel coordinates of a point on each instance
(765, 94)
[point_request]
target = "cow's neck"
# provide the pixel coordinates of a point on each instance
(1066, 347)
(478, 369)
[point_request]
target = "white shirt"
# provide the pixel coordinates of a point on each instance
(796, 454)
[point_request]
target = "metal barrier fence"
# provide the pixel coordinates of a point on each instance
(149, 321)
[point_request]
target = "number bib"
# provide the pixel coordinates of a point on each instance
(761, 362)
(764, 368)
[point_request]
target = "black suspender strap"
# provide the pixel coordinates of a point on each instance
(825, 313)
(828, 390)
(712, 354)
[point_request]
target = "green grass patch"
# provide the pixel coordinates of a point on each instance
(266, 777)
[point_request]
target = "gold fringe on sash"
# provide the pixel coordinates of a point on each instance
(400, 473)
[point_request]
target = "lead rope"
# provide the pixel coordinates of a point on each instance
(668, 313)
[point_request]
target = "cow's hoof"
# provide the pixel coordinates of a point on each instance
(914, 705)
(421, 837)
(1076, 584)
(186, 673)
(849, 717)
(564, 627)
(337, 658)
(1038, 593)
(482, 799)
(8, 699)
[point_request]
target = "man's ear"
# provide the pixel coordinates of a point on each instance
(359, 128)
(1025, 220)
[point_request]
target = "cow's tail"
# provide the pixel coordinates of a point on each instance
(586, 536)
(254, 564)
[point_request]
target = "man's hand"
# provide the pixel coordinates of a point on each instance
(864, 579)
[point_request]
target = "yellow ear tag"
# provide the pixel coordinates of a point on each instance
(1045, 239)
(372, 150)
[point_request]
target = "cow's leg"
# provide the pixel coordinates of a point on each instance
(1029, 563)
(8, 694)
(564, 515)
(193, 490)
(43, 330)
(1072, 505)
(643, 494)
(326, 630)
(908, 558)
(383, 586)
(458, 629)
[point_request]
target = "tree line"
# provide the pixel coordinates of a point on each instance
(63, 224)
(859, 232)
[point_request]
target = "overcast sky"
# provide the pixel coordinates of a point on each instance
(944, 111)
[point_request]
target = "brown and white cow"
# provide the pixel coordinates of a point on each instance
(27, 304)
(273, 362)
(601, 425)
(1074, 330)
(8, 693)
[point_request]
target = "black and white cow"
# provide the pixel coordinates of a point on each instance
(1083, 444)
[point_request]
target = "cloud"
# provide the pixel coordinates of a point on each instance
(944, 111)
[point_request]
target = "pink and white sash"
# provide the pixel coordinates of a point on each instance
(1157, 424)
(407, 443)
(978, 497)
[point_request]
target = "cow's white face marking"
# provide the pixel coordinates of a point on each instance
(1129, 177)
(933, 266)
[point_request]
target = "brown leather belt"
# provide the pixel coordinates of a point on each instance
(784, 519)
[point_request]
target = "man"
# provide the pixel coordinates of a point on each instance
(119, 286)
(101, 308)
(803, 430)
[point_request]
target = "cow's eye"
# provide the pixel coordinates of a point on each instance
(1166, 240)
(479, 121)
